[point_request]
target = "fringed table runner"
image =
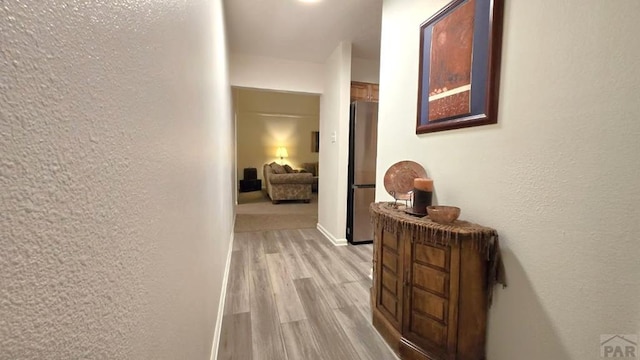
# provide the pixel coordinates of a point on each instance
(391, 218)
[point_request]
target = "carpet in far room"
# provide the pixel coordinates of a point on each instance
(255, 212)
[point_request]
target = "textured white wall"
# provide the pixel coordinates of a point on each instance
(262, 72)
(116, 171)
(334, 118)
(557, 176)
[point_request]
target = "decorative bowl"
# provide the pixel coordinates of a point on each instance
(443, 214)
(398, 180)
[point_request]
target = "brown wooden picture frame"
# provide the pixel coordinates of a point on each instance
(483, 71)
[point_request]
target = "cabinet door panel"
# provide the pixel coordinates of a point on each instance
(374, 92)
(430, 305)
(430, 279)
(431, 255)
(390, 260)
(359, 91)
(388, 281)
(391, 242)
(430, 299)
(427, 308)
(390, 303)
(428, 329)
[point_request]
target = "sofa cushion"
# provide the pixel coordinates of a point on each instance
(295, 178)
(311, 167)
(289, 169)
(278, 169)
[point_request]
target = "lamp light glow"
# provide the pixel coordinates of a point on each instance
(282, 153)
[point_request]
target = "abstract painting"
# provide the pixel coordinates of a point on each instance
(459, 66)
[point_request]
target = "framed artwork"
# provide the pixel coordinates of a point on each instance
(315, 141)
(460, 50)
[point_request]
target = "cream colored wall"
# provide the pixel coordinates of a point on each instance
(262, 72)
(115, 175)
(365, 70)
(334, 145)
(269, 119)
(557, 176)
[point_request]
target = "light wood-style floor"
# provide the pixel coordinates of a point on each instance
(292, 295)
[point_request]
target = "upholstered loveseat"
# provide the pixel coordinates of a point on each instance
(284, 183)
(312, 168)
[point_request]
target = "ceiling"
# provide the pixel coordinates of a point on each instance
(294, 30)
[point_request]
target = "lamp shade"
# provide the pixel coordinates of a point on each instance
(282, 152)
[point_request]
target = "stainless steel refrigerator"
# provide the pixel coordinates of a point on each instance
(363, 139)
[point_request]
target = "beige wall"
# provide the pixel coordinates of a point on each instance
(269, 119)
(334, 145)
(261, 72)
(557, 176)
(115, 175)
(365, 70)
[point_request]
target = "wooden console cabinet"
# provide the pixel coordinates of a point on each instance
(432, 284)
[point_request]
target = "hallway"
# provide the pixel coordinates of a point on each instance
(292, 295)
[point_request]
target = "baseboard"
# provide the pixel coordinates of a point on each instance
(223, 297)
(331, 238)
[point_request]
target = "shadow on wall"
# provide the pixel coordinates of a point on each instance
(514, 322)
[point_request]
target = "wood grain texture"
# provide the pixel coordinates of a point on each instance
(363, 251)
(238, 284)
(299, 341)
(257, 260)
(310, 234)
(319, 270)
(289, 249)
(364, 91)
(332, 340)
(388, 287)
(364, 338)
(270, 242)
(235, 337)
(265, 325)
(357, 268)
(351, 253)
(286, 297)
(335, 296)
(298, 287)
(341, 271)
(240, 241)
(357, 292)
(432, 255)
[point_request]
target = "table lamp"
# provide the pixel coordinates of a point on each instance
(282, 153)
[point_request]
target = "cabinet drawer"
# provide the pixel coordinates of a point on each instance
(431, 255)
(431, 279)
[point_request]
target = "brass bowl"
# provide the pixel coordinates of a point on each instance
(443, 214)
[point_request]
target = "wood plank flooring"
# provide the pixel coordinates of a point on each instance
(292, 295)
